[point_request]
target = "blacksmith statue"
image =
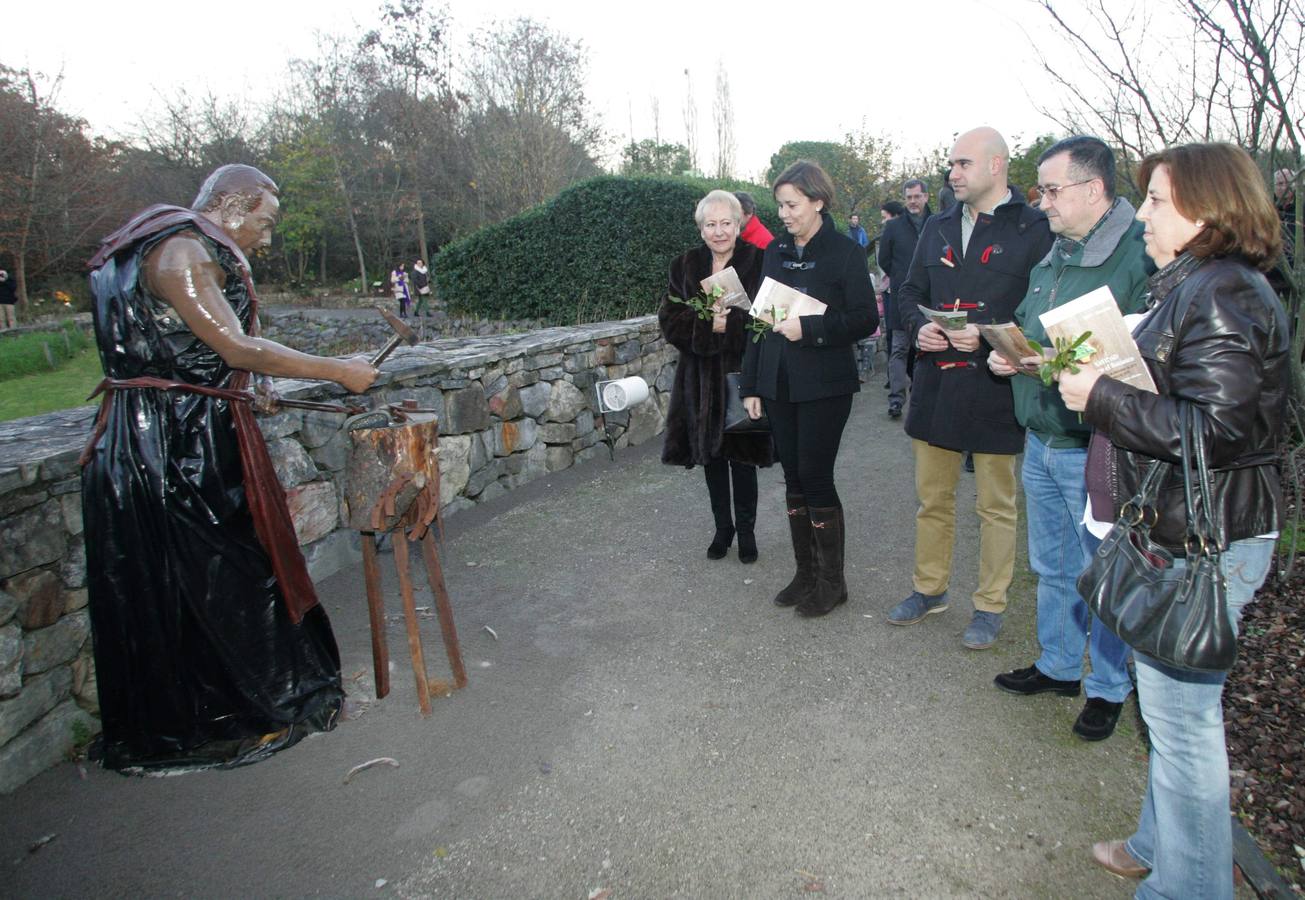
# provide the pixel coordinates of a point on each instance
(210, 647)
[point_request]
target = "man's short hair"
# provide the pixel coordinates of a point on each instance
(1089, 157)
(724, 198)
(914, 183)
(244, 182)
(893, 208)
(1219, 185)
(810, 181)
(748, 205)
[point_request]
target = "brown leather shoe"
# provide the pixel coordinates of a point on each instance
(1113, 856)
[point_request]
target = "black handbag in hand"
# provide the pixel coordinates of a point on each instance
(1179, 617)
(737, 420)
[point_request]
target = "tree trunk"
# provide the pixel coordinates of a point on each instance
(321, 260)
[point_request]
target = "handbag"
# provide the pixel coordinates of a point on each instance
(737, 420)
(1176, 615)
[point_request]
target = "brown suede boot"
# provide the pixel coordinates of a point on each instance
(803, 584)
(831, 588)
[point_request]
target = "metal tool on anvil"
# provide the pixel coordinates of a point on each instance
(345, 409)
(402, 335)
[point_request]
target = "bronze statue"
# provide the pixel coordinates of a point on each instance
(210, 647)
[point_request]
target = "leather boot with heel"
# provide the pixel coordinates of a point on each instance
(804, 553)
(831, 587)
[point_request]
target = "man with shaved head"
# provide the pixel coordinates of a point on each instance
(975, 256)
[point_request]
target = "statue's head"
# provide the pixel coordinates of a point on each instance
(243, 202)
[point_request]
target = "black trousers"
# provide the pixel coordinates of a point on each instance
(807, 436)
(720, 472)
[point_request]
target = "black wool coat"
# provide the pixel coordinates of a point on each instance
(695, 421)
(956, 402)
(833, 270)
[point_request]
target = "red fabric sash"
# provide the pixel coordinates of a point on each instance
(266, 499)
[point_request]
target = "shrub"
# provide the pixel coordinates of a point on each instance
(599, 250)
(33, 352)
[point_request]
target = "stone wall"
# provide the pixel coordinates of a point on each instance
(512, 408)
(341, 331)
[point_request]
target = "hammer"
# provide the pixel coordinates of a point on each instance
(402, 335)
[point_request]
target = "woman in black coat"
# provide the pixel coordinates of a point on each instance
(709, 348)
(804, 371)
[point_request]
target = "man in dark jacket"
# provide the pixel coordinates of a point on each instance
(1099, 244)
(976, 257)
(896, 247)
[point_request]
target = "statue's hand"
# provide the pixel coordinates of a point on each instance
(266, 399)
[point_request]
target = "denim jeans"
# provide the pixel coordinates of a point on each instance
(1059, 550)
(1184, 833)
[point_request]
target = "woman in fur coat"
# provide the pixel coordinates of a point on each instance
(709, 348)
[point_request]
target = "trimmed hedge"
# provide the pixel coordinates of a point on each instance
(599, 250)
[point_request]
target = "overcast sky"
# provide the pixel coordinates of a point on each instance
(917, 72)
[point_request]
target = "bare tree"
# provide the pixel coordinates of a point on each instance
(531, 129)
(722, 113)
(56, 183)
(690, 121)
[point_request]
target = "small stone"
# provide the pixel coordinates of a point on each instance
(559, 457)
(564, 402)
(314, 510)
(33, 537)
(557, 432)
(40, 593)
(645, 422)
(465, 410)
(292, 463)
(43, 744)
(38, 696)
(49, 647)
(11, 660)
(534, 399)
(455, 468)
(84, 686)
(510, 437)
(8, 606)
(71, 506)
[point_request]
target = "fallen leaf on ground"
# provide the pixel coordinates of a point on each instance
(380, 760)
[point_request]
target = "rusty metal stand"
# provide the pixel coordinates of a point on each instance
(443, 608)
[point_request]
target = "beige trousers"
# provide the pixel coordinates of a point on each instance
(937, 472)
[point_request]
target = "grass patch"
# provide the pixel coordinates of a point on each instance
(40, 351)
(34, 395)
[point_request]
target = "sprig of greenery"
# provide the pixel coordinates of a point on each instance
(759, 326)
(704, 304)
(1067, 356)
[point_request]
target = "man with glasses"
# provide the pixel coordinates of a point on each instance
(1098, 243)
(896, 247)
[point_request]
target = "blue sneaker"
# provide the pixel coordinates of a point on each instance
(982, 631)
(916, 607)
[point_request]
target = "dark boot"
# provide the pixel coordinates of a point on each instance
(803, 584)
(745, 509)
(831, 588)
(718, 488)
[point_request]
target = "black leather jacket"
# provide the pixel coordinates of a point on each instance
(1216, 336)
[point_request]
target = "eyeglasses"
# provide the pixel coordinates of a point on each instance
(1051, 193)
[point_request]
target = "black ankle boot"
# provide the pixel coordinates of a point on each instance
(831, 588)
(720, 544)
(804, 553)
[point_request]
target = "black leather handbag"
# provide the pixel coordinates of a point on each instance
(737, 420)
(1178, 616)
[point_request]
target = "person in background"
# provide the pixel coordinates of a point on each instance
(8, 302)
(753, 232)
(1215, 337)
(856, 232)
(976, 256)
(710, 348)
(1098, 244)
(399, 286)
(421, 281)
(896, 247)
(804, 372)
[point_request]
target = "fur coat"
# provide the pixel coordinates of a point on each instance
(695, 423)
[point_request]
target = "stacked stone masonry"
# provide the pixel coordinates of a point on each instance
(512, 408)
